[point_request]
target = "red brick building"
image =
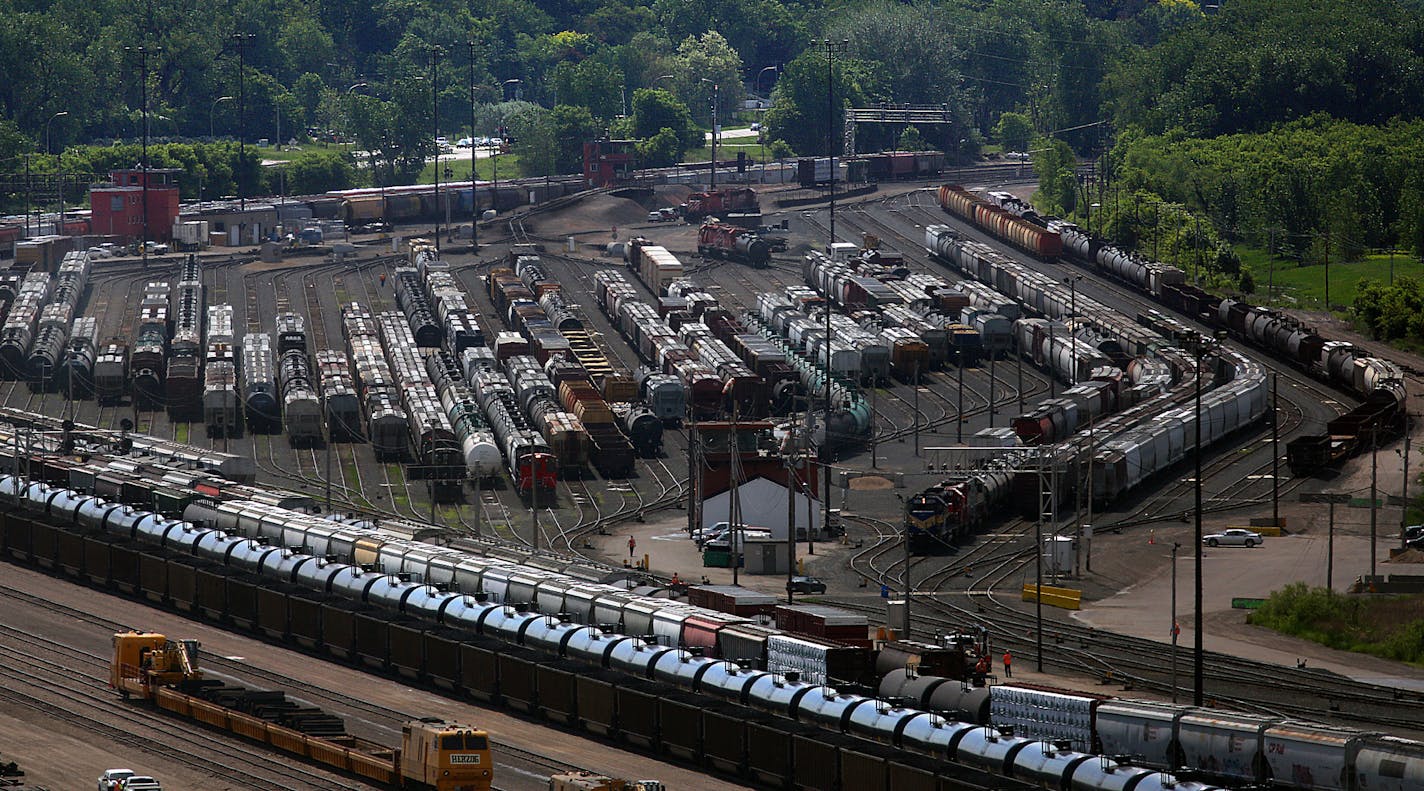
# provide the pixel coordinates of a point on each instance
(118, 208)
(608, 162)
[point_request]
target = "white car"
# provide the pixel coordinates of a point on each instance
(112, 779)
(140, 783)
(1233, 537)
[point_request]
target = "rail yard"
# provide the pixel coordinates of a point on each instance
(422, 463)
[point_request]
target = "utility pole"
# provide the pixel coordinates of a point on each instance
(712, 179)
(993, 407)
(1175, 631)
(1275, 454)
(243, 41)
(143, 53)
(830, 153)
(474, 182)
(917, 420)
(435, 53)
(1327, 273)
(534, 461)
(831, 48)
(1038, 561)
(1404, 495)
(1018, 368)
(792, 491)
(1330, 551)
(959, 418)
(1052, 384)
(1374, 495)
(735, 501)
(908, 586)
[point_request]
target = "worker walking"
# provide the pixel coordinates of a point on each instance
(1008, 665)
(632, 545)
(981, 669)
(383, 278)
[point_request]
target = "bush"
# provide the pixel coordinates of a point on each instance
(1386, 626)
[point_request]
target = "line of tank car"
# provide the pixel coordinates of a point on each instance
(1044, 737)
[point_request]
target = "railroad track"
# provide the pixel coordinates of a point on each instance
(246, 672)
(71, 684)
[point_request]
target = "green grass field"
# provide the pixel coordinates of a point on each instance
(728, 150)
(508, 165)
(1304, 286)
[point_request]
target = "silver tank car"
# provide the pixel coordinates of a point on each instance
(76, 373)
(301, 410)
(259, 385)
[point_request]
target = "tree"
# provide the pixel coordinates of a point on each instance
(308, 90)
(910, 140)
(700, 64)
(315, 172)
(655, 110)
(663, 149)
(798, 112)
(591, 83)
(763, 32)
(1014, 130)
(556, 144)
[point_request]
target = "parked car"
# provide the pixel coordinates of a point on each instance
(704, 534)
(1234, 536)
(140, 783)
(806, 585)
(112, 779)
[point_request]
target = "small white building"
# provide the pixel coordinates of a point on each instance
(764, 508)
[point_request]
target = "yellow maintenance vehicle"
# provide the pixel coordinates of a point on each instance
(434, 754)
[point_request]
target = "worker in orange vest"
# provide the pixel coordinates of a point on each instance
(1008, 665)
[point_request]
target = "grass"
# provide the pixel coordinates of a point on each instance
(287, 154)
(484, 168)
(180, 433)
(728, 150)
(1304, 286)
(1391, 627)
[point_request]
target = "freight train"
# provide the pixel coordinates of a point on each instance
(221, 408)
(722, 240)
(47, 353)
(76, 372)
(387, 426)
(1125, 454)
(434, 450)
(861, 168)
(692, 685)
(419, 201)
(339, 401)
(740, 201)
(17, 333)
(150, 346)
(527, 454)
(261, 400)
(477, 442)
(1377, 381)
(183, 384)
(575, 420)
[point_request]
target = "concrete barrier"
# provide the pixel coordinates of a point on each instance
(1065, 598)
